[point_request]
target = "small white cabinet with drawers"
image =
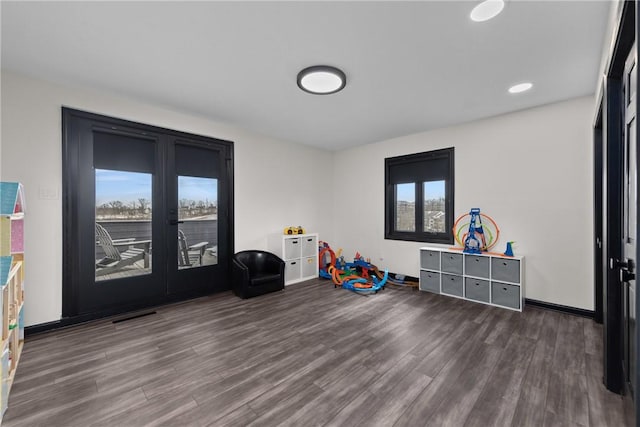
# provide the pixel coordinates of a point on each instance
(486, 278)
(300, 254)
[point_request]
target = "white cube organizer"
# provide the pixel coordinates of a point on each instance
(300, 254)
(486, 278)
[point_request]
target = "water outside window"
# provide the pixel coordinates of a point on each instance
(198, 214)
(123, 224)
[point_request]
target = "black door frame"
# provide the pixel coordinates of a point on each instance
(598, 206)
(610, 118)
(71, 271)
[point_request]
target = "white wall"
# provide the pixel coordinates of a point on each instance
(276, 183)
(529, 170)
(615, 10)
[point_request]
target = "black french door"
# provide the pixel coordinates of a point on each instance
(628, 265)
(147, 215)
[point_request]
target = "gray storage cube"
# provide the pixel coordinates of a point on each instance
(476, 289)
(505, 295)
(476, 265)
(504, 269)
(452, 263)
(292, 248)
(292, 270)
(430, 281)
(430, 259)
(309, 266)
(452, 285)
(309, 246)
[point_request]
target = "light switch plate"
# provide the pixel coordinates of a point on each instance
(47, 193)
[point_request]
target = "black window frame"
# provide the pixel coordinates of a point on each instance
(442, 156)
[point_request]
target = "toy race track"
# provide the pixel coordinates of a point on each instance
(355, 276)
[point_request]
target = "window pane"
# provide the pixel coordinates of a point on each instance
(434, 207)
(123, 224)
(406, 207)
(198, 211)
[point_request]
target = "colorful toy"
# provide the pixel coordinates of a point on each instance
(359, 276)
(482, 232)
(509, 250)
(473, 242)
(294, 230)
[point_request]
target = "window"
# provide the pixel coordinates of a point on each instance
(419, 197)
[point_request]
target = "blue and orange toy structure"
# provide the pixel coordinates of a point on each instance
(359, 276)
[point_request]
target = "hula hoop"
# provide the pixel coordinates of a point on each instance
(492, 242)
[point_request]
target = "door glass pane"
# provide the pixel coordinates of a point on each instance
(198, 214)
(434, 206)
(406, 207)
(123, 224)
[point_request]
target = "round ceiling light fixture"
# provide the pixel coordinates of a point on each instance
(520, 87)
(321, 80)
(486, 10)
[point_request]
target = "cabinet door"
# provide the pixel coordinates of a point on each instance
(309, 246)
(292, 248)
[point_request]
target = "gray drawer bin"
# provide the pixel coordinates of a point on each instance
(292, 270)
(292, 248)
(476, 289)
(430, 259)
(505, 295)
(504, 269)
(309, 246)
(452, 285)
(430, 281)
(477, 266)
(309, 266)
(452, 263)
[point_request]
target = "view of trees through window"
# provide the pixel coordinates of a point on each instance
(197, 198)
(434, 209)
(406, 207)
(123, 195)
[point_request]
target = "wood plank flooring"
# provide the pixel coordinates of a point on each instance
(313, 355)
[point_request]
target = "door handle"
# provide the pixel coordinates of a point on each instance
(626, 276)
(627, 265)
(175, 222)
(627, 270)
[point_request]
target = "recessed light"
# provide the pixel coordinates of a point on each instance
(321, 80)
(520, 87)
(487, 10)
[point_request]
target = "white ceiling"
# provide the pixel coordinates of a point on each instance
(410, 66)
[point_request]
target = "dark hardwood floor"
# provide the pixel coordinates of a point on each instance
(315, 355)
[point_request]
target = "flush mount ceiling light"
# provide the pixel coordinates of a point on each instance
(486, 10)
(520, 87)
(321, 80)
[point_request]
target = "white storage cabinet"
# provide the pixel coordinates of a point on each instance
(489, 279)
(300, 254)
